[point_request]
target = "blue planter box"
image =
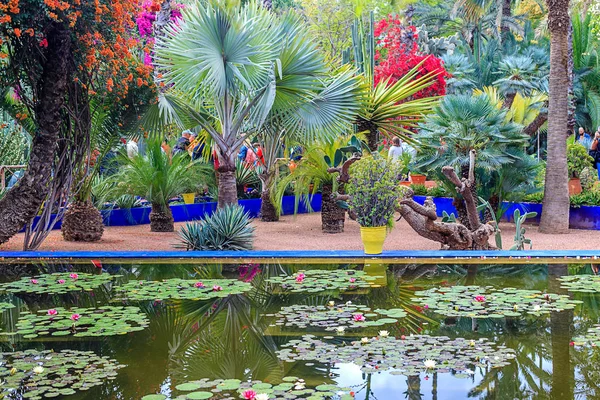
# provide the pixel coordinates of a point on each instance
(190, 212)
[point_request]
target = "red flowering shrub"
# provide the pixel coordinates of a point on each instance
(398, 53)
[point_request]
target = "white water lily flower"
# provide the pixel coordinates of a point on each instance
(469, 372)
(364, 340)
(38, 370)
(299, 386)
(537, 307)
(331, 303)
(348, 303)
(384, 333)
(340, 329)
(429, 364)
(262, 396)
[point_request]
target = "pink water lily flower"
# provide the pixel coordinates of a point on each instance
(61, 281)
(34, 281)
(75, 317)
(358, 317)
(199, 285)
(300, 277)
(52, 312)
(249, 395)
(73, 276)
(352, 280)
(217, 288)
(480, 299)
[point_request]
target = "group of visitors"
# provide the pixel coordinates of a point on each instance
(591, 144)
(252, 155)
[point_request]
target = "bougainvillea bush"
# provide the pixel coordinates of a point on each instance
(398, 52)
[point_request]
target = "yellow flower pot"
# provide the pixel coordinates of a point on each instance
(189, 198)
(373, 238)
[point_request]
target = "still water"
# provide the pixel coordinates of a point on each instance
(240, 335)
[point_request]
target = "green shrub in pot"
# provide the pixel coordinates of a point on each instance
(578, 159)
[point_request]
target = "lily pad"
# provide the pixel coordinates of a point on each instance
(182, 289)
(489, 302)
(58, 283)
(315, 281)
(591, 338)
(581, 283)
(6, 306)
(336, 317)
(408, 356)
(291, 387)
(74, 370)
(82, 322)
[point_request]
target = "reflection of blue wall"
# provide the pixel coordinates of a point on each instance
(584, 217)
(190, 212)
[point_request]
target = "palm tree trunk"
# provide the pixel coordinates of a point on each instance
(161, 218)
(22, 202)
(226, 182)
(268, 212)
(506, 13)
(82, 222)
(555, 214)
(332, 216)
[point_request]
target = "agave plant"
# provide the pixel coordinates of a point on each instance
(227, 229)
(157, 178)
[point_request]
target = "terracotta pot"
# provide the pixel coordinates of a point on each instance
(418, 179)
(405, 183)
(574, 186)
(373, 238)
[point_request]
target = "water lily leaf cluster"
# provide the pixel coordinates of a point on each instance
(6, 306)
(187, 289)
(581, 283)
(57, 283)
(332, 317)
(82, 322)
(591, 338)
(52, 374)
(291, 387)
(315, 281)
(489, 302)
(408, 356)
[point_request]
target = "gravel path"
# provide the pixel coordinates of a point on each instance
(303, 232)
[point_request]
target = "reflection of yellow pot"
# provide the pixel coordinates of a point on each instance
(377, 268)
(373, 238)
(189, 198)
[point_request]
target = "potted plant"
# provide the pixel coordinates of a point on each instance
(577, 160)
(373, 193)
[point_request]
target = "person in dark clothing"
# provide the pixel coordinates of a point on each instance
(182, 143)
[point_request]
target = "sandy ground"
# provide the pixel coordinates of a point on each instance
(302, 232)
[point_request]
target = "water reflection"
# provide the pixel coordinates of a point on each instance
(235, 337)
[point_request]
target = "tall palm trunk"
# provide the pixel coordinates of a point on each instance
(268, 212)
(226, 182)
(161, 218)
(555, 214)
(22, 202)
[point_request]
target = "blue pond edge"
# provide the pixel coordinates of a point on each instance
(448, 256)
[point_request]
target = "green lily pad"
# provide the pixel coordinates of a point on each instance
(315, 281)
(581, 283)
(58, 283)
(181, 289)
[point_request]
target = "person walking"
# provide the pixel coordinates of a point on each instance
(395, 152)
(594, 151)
(583, 138)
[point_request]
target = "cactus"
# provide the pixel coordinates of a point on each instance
(520, 240)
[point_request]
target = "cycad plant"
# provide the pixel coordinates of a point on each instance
(157, 178)
(462, 123)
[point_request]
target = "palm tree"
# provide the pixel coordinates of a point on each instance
(157, 178)
(462, 123)
(555, 214)
(224, 65)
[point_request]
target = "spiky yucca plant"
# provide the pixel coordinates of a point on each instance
(227, 229)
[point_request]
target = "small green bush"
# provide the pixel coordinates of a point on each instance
(437, 191)
(374, 191)
(588, 177)
(227, 228)
(578, 159)
(419, 189)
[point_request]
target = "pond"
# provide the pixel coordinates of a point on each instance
(358, 330)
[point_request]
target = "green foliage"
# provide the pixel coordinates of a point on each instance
(157, 178)
(13, 144)
(58, 283)
(590, 198)
(228, 228)
(519, 220)
(437, 191)
(316, 281)
(419, 189)
(589, 177)
(374, 191)
(578, 159)
(448, 218)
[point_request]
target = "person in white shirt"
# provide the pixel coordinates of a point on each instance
(396, 150)
(132, 148)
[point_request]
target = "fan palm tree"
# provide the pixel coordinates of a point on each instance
(157, 178)
(230, 68)
(462, 123)
(555, 214)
